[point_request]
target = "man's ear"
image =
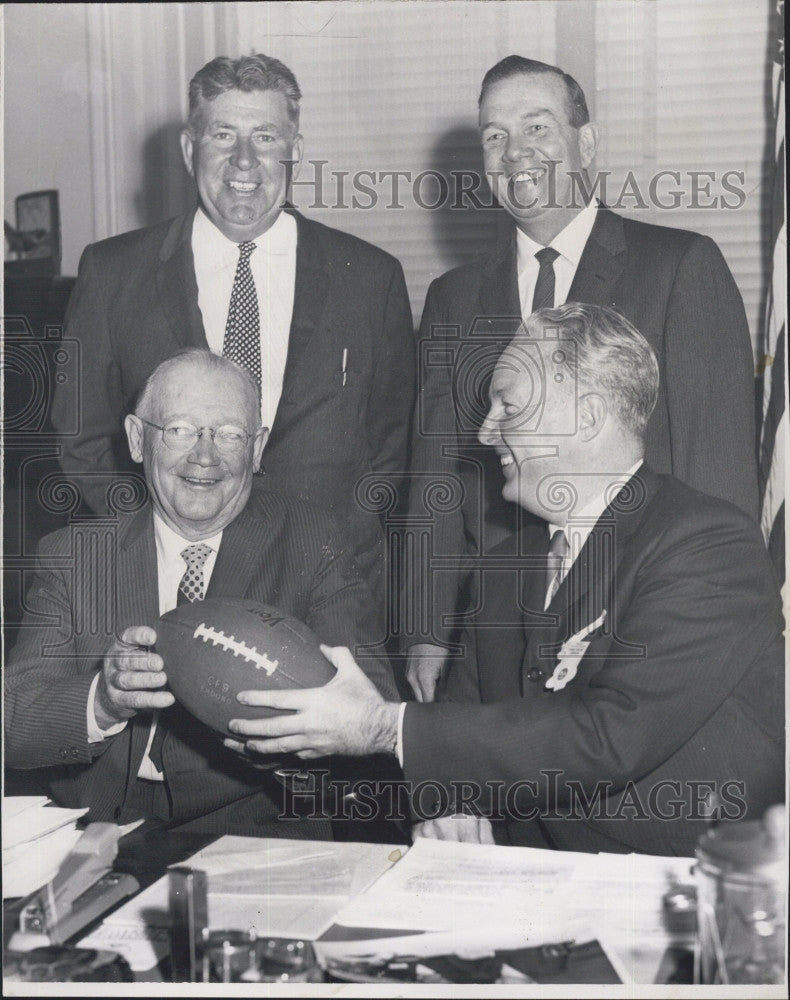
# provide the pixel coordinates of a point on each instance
(588, 143)
(259, 443)
(297, 152)
(133, 426)
(593, 414)
(187, 148)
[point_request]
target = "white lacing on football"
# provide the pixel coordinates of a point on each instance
(228, 643)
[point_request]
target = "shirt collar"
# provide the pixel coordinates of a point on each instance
(213, 250)
(569, 242)
(170, 545)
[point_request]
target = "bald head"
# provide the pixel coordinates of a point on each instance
(190, 364)
(196, 430)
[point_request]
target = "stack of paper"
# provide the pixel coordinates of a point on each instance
(37, 836)
(447, 897)
(283, 888)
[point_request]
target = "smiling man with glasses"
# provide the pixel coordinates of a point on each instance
(96, 710)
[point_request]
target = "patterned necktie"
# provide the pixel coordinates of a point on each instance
(242, 342)
(543, 296)
(555, 565)
(191, 588)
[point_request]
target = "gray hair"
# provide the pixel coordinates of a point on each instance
(248, 73)
(199, 357)
(610, 356)
(510, 66)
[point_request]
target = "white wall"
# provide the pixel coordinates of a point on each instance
(47, 125)
(95, 93)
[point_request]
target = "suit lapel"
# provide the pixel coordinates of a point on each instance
(602, 261)
(587, 589)
(499, 289)
(310, 294)
(177, 284)
(138, 600)
(497, 315)
(239, 553)
(500, 308)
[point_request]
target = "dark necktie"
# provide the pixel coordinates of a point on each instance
(555, 565)
(191, 588)
(543, 296)
(242, 342)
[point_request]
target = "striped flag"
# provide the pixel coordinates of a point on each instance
(773, 432)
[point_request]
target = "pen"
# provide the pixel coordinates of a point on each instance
(344, 365)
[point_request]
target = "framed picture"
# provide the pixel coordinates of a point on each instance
(38, 230)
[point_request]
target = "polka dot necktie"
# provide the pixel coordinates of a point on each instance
(555, 566)
(242, 342)
(193, 586)
(543, 296)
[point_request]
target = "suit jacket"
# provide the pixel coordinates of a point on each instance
(94, 579)
(136, 303)
(675, 287)
(682, 679)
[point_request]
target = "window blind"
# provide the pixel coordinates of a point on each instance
(682, 87)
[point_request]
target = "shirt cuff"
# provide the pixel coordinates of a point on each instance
(399, 741)
(96, 735)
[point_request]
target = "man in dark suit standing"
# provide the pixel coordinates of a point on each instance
(321, 318)
(673, 285)
(628, 652)
(85, 694)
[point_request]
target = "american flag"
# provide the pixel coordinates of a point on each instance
(773, 432)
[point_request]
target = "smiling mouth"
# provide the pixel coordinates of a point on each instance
(199, 482)
(243, 187)
(507, 461)
(531, 176)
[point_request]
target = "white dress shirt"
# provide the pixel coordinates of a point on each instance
(170, 567)
(569, 244)
(273, 267)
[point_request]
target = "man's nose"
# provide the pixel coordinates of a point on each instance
(489, 430)
(517, 148)
(204, 451)
(244, 155)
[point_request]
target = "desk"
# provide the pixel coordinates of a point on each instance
(146, 853)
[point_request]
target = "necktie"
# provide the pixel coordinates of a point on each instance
(242, 342)
(191, 588)
(543, 296)
(555, 566)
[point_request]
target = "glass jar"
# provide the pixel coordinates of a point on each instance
(741, 899)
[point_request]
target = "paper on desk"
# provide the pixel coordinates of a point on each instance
(442, 885)
(468, 897)
(27, 818)
(36, 839)
(623, 893)
(286, 888)
(27, 867)
(16, 804)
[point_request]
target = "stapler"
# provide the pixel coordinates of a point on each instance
(84, 888)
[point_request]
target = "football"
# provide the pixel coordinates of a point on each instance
(215, 648)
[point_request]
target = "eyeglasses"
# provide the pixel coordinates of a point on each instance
(182, 436)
